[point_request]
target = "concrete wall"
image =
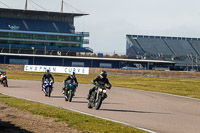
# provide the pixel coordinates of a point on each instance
(120, 72)
(11, 67)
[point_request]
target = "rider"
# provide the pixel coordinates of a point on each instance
(2, 75)
(47, 75)
(72, 78)
(100, 80)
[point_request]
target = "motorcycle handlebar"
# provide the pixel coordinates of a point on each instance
(107, 87)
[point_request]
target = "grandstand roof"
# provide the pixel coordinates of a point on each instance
(164, 37)
(45, 13)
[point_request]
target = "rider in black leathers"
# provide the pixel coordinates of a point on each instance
(47, 75)
(72, 78)
(100, 80)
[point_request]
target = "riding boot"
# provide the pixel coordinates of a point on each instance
(63, 90)
(89, 94)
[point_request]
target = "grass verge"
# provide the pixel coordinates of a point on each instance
(74, 120)
(183, 87)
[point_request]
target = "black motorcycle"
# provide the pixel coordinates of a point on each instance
(97, 97)
(69, 91)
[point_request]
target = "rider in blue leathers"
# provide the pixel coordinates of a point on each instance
(47, 76)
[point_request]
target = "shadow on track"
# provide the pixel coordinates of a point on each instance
(132, 111)
(64, 96)
(7, 127)
(80, 97)
(79, 102)
(15, 87)
(57, 97)
(111, 103)
(87, 102)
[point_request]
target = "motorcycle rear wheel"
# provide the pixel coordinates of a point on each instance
(89, 105)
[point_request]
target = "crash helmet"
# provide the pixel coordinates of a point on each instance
(47, 71)
(103, 74)
(72, 74)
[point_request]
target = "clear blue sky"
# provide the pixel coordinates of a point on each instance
(110, 20)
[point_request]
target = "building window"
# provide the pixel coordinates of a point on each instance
(78, 64)
(18, 61)
(105, 65)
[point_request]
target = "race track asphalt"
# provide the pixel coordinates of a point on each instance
(154, 111)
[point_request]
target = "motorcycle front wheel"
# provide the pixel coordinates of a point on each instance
(98, 103)
(49, 92)
(70, 96)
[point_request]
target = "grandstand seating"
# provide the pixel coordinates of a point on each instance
(147, 46)
(64, 27)
(40, 25)
(196, 45)
(137, 47)
(40, 32)
(177, 47)
(5, 22)
(183, 51)
(36, 25)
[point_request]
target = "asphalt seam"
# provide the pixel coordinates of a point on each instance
(73, 110)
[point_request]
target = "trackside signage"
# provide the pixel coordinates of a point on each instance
(56, 69)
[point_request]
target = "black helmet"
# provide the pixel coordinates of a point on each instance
(72, 74)
(103, 74)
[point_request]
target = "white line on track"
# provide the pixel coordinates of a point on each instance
(123, 123)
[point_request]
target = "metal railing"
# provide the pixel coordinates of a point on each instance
(86, 41)
(85, 34)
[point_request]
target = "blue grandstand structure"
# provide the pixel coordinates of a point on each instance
(29, 37)
(40, 32)
(185, 52)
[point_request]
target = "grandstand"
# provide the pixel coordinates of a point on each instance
(184, 51)
(40, 32)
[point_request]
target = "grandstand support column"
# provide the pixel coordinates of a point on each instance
(147, 65)
(45, 50)
(62, 6)
(33, 60)
(192, 63)
(63, 62)
(26, 5)
(4, 59)
(91, 63)
(9, 48)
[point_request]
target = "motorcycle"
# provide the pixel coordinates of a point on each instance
(97, 97)
(48, 87)
(69, 91)
(4, 80)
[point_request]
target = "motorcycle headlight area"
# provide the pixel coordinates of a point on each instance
(72, 86)
(104, 91)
